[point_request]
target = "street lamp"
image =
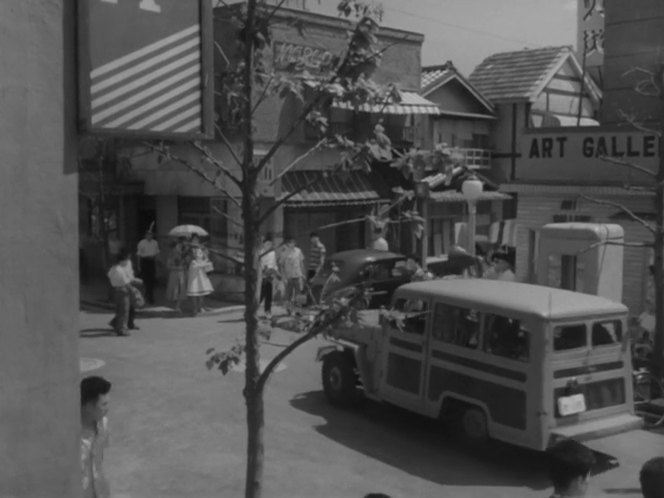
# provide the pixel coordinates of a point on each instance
(472, 190)
(422, 193)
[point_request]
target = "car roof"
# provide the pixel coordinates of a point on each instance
(513, 297)
(355, 256)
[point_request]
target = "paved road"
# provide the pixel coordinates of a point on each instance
(178, 429)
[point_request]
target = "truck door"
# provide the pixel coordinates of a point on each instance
(405, 354)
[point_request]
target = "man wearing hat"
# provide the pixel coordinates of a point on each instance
(147, 252)
(570, 463)
(502, 267)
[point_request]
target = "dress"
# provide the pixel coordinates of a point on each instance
(198, 283)
(176, 288)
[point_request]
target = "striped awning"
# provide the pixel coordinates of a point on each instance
(318, 189)
(407, 103)
(454, 196)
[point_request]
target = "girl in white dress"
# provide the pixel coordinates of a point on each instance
(198, 283)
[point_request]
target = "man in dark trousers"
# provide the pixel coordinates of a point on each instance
(147, 252)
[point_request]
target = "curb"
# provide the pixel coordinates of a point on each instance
(110, 307)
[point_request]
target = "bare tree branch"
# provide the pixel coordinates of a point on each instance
(648, 87)
(631, 119)
(615, 243)
(621, 162)
(262, 96)
(198, 171)
(220, 49)
(229, 146)
(230, 218)
(218, 164)
(648, 226)
(225, 256)
(297, 160)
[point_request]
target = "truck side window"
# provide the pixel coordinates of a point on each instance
(569, 337)
(454, 325)
(411, 316)
(505, 337)
(604, 333)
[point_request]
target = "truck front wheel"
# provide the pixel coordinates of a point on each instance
(339, 380)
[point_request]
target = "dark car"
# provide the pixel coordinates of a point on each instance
(383, 272)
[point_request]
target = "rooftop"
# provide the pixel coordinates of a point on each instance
(518, 76)
(517, 299)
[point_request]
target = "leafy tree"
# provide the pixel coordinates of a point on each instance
(246, 82)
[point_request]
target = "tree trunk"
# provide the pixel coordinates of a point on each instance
(251, 216)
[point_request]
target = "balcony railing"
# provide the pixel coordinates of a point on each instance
(476, 158)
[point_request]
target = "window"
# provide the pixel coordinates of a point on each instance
(605, 333)
(505, 337)
(458, 326)
(410, 316)
(569, 337)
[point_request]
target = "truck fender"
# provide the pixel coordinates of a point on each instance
(323, 351)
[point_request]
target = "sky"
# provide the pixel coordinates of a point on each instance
(467, 31)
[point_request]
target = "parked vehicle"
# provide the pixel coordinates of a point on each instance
(520, 363)
(383, 272)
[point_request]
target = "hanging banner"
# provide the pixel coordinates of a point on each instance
(590, 37)
(145, 68)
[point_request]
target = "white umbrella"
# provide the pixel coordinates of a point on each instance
(187, 231)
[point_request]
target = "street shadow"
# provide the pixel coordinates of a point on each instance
(622, 491)
(97, 332)
(425, 447)
(231, 320)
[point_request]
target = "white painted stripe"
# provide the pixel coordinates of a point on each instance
(190, 126)
(107, 97)
(132, 56)
(148, 92)
(180, 117)
(160, 113)
(156, 102)
(117, 77)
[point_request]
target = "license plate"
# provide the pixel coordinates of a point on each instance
(569, 405)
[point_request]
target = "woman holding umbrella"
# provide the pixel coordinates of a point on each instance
(198, 283)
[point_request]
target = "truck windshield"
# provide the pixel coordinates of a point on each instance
(570, 337)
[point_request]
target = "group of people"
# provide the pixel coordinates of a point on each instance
(188, 265)
(288, 268)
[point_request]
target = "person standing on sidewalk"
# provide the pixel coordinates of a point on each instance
(94, 436)
(121, 277)
(270, 271)
(198, 283)
(316, 256)
(147, 252)
(651, 478)
(291, 263)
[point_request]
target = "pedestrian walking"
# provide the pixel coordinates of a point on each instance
(198, 283)
(651, 478)
(291, 264)
(502, 267)
(176, 288)
(414, 268)
(95, 392)
(122, 279)
(270, 272)
(570, 464)
(148, 251)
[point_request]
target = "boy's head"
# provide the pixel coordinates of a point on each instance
(652, 478)
(95, 397)
(123, 256)
(313, 236)
(570, 463)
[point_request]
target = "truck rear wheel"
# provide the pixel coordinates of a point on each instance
(339, 380)
(474, 424)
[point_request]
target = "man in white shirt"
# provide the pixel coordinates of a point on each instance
(147, 252)
(501, 269)
(270, 271)
(121, 277)
(291, 262)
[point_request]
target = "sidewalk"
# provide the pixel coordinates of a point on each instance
(95, 294)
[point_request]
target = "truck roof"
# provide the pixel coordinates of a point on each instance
(513, 298)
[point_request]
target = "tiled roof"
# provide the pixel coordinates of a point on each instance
(431, 76)
(316, 188)
(516, 76)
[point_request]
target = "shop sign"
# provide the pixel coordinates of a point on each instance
(145, 67)
(626, 145)
(287, 55)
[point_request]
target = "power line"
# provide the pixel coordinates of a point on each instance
(465, 28)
